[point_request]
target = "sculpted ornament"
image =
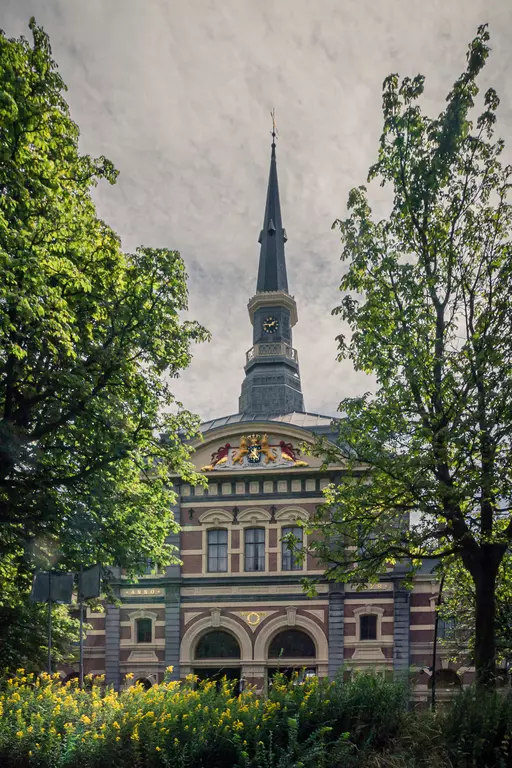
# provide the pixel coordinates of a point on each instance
(254, 450)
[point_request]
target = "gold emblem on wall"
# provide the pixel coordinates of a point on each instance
(255, 450)
(253, 618)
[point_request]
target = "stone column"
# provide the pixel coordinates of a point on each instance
(172, 607)
(336, 628)
(402, 616)
(112, 646)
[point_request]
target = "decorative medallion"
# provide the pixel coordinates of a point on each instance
(254, 450)
(253, 618)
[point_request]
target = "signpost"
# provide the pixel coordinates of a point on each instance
(52, 587)
(57, 587)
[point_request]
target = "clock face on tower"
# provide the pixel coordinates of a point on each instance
(270, 324)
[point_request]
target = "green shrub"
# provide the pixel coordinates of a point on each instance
(365, 722)
(47, 724)
(476, 729)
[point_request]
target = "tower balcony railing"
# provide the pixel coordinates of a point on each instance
(271, 349)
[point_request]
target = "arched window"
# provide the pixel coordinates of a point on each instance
(368, 626)
(217, 645)
(144, 630)
(292, 644)
(446, 680)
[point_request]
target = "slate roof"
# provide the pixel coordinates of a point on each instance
(312, 422)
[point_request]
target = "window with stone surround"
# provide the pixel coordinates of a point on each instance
(254, 549)
(144, 629)
(368, 626)
(446, 628)
(217, 644)
(217, 550)
(292, 644)
(289, 560)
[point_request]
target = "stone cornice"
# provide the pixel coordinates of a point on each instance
(272, 299)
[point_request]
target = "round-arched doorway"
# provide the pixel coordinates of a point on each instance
(290, 651)
(446, 680)
(217, 655)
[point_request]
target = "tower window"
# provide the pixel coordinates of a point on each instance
(255, 549)
(289, 556)
(218, 551)
(368, 626)
(144, 630)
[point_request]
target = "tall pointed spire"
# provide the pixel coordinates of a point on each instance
(272, 267)
(272, 381)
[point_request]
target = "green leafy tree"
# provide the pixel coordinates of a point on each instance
(428, 289)
(90, 338)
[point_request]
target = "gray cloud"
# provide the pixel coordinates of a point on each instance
(177, 94)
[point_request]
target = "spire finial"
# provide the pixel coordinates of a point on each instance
(274, 128)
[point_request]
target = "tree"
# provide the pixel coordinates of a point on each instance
(457, 611)
(89, 340)
(428, 303)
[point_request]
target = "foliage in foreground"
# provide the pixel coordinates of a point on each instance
(314, 725)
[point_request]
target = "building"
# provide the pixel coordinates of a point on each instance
(236, 605)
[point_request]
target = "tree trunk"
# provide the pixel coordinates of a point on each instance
(483, 566)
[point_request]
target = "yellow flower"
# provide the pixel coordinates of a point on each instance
(37, 745)
(129, 676)
(20, 671)
(157, 749)
(86, 720)
(30, 753)
(115, 724)
(118, 738)
(169, 669)
(19, 734)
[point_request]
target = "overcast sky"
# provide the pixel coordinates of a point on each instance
(177, 94)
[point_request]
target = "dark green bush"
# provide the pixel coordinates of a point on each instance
(476, 729)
